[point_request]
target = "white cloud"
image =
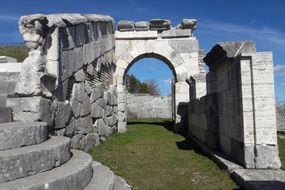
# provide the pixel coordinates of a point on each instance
(279, 70)
(167, 81)
(8, 17)
(265, 34)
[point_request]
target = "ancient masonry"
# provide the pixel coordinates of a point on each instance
(69, 95)
(148, 106)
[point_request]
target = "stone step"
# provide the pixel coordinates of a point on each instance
(103, 178)
(30, 160)
(7, 87)
(5, 115)
(3, 98)
(120, 184)
(73, 175)
(18, 134)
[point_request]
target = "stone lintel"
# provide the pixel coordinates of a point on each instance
(136, 35)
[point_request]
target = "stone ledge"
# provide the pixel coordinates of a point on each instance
(249, 179)
(24, 161)
(13, 135)
(73, 175)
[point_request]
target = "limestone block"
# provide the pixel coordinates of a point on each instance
(188, 24)
(96, 93)
(76, 107)
(267, 157)
(137, 48)
(160, 24)
(88, 88)
(122, 64)
(108, 111)
(86, 106)
(90, 69)
(97, 111)
(5, 115)
(30, 77)
(89, 53)
(122, 127)
(89, 141)
(149, 44)
(141, 26)
(75, 141)
(79, 76)
(62, 114)
(122, 116)
(102, 129)
(134, 35)
(111, 120)
(125, 25)
(122, 107)
(176, 60)
(177, 33)
(187, 46)
(67, 64)
(121, 89)
(78, 92)
(78, 58)
(70, 127)
(84, 125)
(81, 35)
(66, 37)
(121, 47)
(28, 109)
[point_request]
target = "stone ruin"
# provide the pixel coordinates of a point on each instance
(70, 95)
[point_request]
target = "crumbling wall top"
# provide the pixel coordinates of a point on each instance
(225, 50)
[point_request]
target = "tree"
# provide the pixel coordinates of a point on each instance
(136, 86)
(153, 87)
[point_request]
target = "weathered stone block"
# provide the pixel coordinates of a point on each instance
(31, 109)
(62, 114)
(125, 25)
(142, 26)
(5, 115)
(86, 106)
(79, 76)
(84, 125)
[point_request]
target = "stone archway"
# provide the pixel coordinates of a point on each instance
(178, 48)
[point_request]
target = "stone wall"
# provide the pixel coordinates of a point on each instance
(176, 46)
(237, 116)
(148, 106)
(67, 79)
(280, 115)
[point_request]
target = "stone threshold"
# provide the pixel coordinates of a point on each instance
(248, 179)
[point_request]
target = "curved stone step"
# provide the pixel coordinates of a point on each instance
(73, 175)
(120, 184)
(103, 178)
(18, 134)
(30, 160)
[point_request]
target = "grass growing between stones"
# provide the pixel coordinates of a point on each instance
(281, 143)
(151, 157)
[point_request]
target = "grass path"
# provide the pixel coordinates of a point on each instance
(151, 157)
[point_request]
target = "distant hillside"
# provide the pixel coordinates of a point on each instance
(18, 52)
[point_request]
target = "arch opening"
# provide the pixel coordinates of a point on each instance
(154, 56)
(149, 85)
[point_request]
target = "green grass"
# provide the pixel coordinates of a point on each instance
(151, 157)
(281, 143)
(18, 52)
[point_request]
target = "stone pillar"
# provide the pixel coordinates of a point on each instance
(181, 102)
(122, 111)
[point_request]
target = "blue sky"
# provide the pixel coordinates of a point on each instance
(220, 20)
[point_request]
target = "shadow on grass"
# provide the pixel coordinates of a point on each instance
(186, 144)
(169, 125)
